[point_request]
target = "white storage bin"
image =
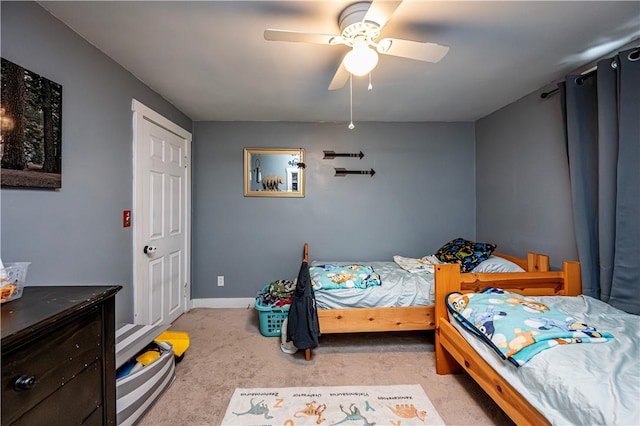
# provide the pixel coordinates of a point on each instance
(136, 392)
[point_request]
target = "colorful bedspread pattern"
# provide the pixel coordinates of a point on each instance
(516, 327)
(331, 276)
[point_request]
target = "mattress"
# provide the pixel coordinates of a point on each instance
(398, 288)
(579, 383)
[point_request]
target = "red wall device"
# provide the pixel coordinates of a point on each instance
(126, 218)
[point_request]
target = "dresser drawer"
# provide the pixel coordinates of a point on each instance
(95, 419)
(78, 402)
(52, 363)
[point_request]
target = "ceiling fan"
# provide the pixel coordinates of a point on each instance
(360, 26)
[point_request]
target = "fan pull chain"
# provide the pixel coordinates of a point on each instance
(370, 85)
(351, 126)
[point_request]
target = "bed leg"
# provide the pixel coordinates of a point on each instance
(445, 363)
(447, 279)
(307, 354)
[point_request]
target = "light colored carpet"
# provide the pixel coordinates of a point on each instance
(332, 405)
(227, 352)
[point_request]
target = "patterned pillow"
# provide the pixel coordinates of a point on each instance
(468, 254)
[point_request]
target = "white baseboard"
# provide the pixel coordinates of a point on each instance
(224, 303)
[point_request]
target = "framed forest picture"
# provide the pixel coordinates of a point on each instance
(30, 129)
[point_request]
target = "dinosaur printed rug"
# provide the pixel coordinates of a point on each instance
(400, 405)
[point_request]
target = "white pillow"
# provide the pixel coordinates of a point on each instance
(497, 264)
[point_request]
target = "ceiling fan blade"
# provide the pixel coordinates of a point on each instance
(302, 37)
(381, 10)
(340, 78)
(428, 52)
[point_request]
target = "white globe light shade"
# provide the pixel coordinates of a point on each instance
(361, 60)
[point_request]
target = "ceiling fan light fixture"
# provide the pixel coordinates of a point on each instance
(361, 60)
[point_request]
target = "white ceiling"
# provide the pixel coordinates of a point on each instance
(210, 60)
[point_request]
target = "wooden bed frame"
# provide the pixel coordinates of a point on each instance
(453, 353)
(412, 318)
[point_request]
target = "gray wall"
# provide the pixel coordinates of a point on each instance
(428, 178)
(522, 180)
(422, 195)
(75, 236)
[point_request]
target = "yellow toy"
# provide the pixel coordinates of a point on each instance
(148, 357)
(178, 339)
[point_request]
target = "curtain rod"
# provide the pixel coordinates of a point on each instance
(545, 95)
(588, 73)
(591, 71)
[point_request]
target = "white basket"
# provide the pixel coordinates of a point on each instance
(12, 280)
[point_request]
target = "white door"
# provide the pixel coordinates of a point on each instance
(161, 217)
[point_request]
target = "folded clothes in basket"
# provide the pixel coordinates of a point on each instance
(277, 293)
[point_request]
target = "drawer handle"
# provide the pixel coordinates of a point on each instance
(24, 383)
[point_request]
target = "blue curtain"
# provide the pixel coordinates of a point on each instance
(602, 130)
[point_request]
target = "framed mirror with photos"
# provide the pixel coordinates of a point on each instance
(273, 172)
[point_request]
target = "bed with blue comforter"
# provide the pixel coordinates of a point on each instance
(563, 358)
(343, 285)
(579, 384)
(398, 294)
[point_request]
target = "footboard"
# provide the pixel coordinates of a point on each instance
(359, 320)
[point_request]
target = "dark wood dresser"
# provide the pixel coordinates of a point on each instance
(58, 356)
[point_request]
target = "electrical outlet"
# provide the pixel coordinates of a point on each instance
(220, 280)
